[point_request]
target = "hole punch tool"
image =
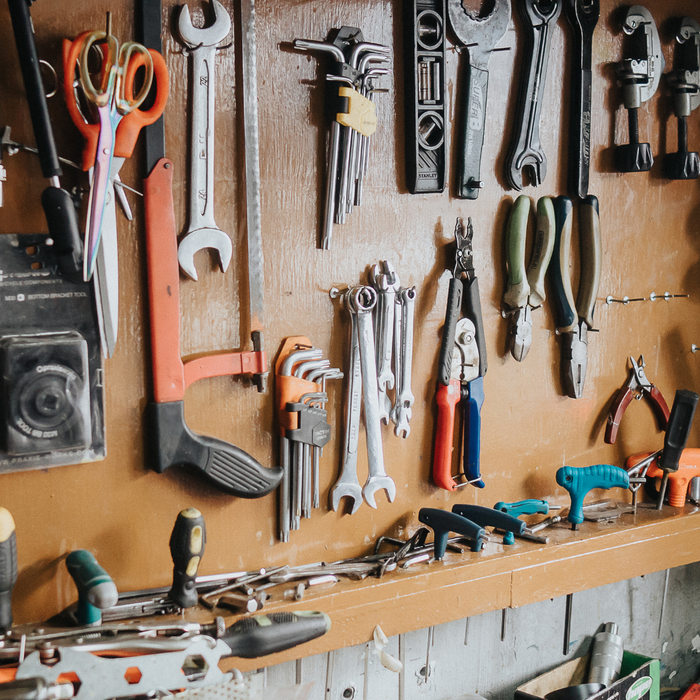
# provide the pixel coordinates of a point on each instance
(574, 320)
(639, 74)
(684, 81)
(479, 35)
(461, 369)
(525, 291)
(637, 386)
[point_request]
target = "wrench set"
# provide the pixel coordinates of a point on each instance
(357, 65)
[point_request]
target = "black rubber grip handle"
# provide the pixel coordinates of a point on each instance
(472, 304)
(229, 467)
(489, 517)
(63, 227)
(678, 429)
(471, 133)
(187, 542)
(8, 568)
(261, 635)
(443, 522)
(34, 87)
(454, 310)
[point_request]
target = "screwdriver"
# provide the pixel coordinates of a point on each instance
(186, 548)
(677, 431)
(96, 590)
(8, 567)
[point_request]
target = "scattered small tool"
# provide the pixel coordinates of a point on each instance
(96, 590)
(186, 548)
(479, 35)
(606, 510)
(443, 522)
(57, 203)
(684, 81)
(489, 517)
(529, 506)
(583, 16)
(637, 386)
(639, 73)
(525, 291)
(679, 481)
(8, 567)
(540, 18)
(574, 320)
(578, 481)
(461, 369)
(677, 432)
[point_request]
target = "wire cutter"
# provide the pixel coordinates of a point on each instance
(461, 369)
(525, 290)
(103, 167)
(637, 385)
(574, 320)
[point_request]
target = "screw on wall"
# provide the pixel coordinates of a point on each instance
(625, 300)
(666, 296)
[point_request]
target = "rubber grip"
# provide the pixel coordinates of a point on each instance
(518, 288)
(472, 432)
(472, 125)
(563, 304)
(187, 541)
(8, 567)
(620, 403)
(34, 87)
(660, 407)
(230, 468)
(62, 220)
(489, 517)
(452, 315)
(678, 430)
(447, 398)
(688, 468)
(529, 506)
(541, 251)
(261, 635)
(443, 522)
(591, 258)
(578, 481)
(472, 311)
(96, 590)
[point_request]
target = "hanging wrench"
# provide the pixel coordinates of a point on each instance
(348, 484)
(401, 413)
(202, 231)
(541, 17)
(364, 299)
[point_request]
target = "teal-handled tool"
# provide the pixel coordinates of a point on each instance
(529, 506)
(488, 517)
(578, 481)
(443, 522)
(96, 590)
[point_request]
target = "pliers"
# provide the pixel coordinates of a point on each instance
(575, 319)
(525, 290)
(637, 385)
(461, 369)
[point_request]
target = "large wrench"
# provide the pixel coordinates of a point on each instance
(348, 484)
(202, 231)
(526, 152)
(364, 299)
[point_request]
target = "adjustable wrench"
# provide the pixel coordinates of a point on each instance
(583, 16)
(202, 231)
(540, 17)
(364, 299)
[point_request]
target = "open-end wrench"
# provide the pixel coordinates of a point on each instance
(348, 484)
(540, 17)
(202, 231)
(583, 16)
(364, 299)
(481, 36)
(401, 413)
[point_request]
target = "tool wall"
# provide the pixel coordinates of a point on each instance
(122, 510)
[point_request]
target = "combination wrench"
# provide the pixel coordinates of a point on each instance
(540, 17)
(401, 413)
(202, 231)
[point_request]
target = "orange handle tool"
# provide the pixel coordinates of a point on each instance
(447, 398)
(688, 467)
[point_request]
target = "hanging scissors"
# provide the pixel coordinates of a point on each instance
(106, 284)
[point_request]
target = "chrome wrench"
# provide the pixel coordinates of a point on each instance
(202, 231)
(401, 413)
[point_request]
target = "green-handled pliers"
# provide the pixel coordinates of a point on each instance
(575, 319)
(525, 290)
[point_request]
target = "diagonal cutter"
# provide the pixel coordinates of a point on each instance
(574, 320)
(525, 290)
(461, 368)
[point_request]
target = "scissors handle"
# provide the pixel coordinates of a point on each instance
(130, 126)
